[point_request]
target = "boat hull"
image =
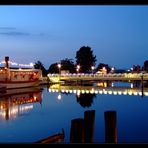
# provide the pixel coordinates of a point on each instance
(10, 85)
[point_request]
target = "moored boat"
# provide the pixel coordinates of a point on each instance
(19, 77)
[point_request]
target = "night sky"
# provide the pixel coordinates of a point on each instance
(118, 35)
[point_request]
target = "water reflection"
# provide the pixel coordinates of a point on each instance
(115, 90)
(85, 100)
(17, 102)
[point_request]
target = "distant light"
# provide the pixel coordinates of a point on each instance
(112, 84)
(59, 65)
(132, 68)
(92, 67)
(112, 68)
(31, 64)
(132, 85)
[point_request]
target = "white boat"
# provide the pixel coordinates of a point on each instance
(19, 77)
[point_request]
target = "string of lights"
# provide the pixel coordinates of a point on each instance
(17, 64)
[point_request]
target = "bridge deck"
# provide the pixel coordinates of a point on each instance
(97, 77)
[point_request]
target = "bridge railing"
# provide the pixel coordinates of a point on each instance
(82, 75)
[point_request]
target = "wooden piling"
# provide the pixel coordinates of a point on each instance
(89, 119)
(110, 127)
(77, 131)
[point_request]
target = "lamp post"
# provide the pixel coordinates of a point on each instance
(104, 70)
(78, 68)
(59, 66)
(92, 68)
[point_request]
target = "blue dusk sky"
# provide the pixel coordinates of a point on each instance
(118, 35)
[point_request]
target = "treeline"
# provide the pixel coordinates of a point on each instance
(85, 63)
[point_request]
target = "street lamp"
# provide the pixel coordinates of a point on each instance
(104, 70)
(112, 70)
(92, 68)
(59, 66)
(78, 68)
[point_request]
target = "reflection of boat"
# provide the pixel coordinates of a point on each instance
(16, 78)
(54, 138)
(18, 101)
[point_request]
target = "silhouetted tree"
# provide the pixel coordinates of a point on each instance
(101, 65)
(137, 68)
(68, 64)
(85, 58)
(39, 65)
(85, 100)
(146, 65)
(53, 68)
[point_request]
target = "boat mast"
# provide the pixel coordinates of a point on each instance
(6, 62)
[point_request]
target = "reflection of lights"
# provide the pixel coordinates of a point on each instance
(92, 91)
(112, 84)
(87, 91)
(66, 91)
(59, 97)
(100, 91)
(135, 93)
(35, 98)
(119, 92)
(125, 92)
(78, 93)
(130, 93)
(70, 91)
(83, 91)
(1, 107)
(74, 91)
(110, 92)
(96, 91)
(105, 92)
(49, 90)
(62, 90)
(146, 93)
(131, 85)
(25, 108)
(53, 90)
(115, 92)
(13, 111)
(105, 84)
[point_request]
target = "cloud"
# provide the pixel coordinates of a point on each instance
(15, 33)
(7, 28)
(12, 31)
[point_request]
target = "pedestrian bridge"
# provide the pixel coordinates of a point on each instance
(97, 77)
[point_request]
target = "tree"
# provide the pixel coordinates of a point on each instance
(85, 58)
(101, 65)
(85, 100)
(146, 65)
(68, 64)
(53, 68)
(39, 65)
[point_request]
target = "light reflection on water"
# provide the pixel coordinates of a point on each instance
(32, 114)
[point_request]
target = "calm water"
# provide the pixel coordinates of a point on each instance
(28, 115)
